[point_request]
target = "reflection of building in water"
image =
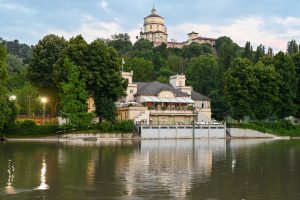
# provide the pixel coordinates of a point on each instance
(171, 165)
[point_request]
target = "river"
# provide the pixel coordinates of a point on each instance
(157, 169)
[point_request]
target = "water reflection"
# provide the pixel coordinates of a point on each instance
(43, 185)
(9, 189)
(158, 169)
(171, 165)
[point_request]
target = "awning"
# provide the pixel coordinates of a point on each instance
(166, 100)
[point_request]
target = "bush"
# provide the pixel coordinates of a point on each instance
(29, 127)
(118, 126)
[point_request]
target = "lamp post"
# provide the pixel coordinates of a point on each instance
(44, 101)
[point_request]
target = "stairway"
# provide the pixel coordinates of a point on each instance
(143, 117)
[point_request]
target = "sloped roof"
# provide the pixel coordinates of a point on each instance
(154, 88)
(197, 96)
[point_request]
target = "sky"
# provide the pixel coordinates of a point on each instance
(269, 22)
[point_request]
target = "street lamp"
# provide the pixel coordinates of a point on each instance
(44, 101)
(12, 98)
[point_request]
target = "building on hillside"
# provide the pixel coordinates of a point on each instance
(159, 103)
(155, 31)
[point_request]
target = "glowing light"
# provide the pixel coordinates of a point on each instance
(12, 98)
(9, 189)
(43, 185)
(44, 100)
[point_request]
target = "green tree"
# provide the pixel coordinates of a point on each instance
(248, 51)
(143, 49)
(74, 97)
(204, 74)
(259, 53)
(288, 87)
(40, 72)
(296, 59)
(142, 69)
(4, 107)
(107, 110)
(173, 63)
(76, 51)
(25, 94)
(219, 104)
(104, 79)
(195, 49)
(121, 43)
(17, 49)
(266, 96)
(164, 74)
(240, 88)
(14, 64)
(292, 47)
(270, 52)
(226, 50)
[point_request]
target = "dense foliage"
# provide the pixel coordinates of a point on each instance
(240, 81)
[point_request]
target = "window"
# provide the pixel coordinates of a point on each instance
(202, 106)
(157, 26)
(131, 91)
(150, 26)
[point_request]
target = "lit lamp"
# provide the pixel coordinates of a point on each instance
(12, 98)
(44, 101)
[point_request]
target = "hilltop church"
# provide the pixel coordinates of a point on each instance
(155, 31)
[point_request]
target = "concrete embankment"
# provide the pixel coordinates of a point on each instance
(79, 136)
(247, 133)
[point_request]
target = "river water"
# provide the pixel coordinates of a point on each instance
(157, 169)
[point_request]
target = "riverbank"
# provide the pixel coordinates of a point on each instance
(279, 128)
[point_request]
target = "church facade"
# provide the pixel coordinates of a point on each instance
(155, 30)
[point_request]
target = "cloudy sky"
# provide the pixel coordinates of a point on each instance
(270, 22)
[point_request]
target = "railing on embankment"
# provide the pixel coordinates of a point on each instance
(181, 131)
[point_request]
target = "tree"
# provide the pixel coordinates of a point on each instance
(143, 69)
(296, 59)
(25, 94)
(76, 52)
(173, 63)
(40, 72)
(259, 53)
(107, 110)
(14, 64)
(104, 79)
(292, 47)
(266, 96)
(270, 52)
(17, 49)
(74, 97)
(143, 49)
(121, 43)
(4, 107)
(226, 50)
(204, 74)
(164, 74)
(240, 88)
(195, 49)
(288, 87)
(248, 51)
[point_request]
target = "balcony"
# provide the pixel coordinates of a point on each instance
(172, 112)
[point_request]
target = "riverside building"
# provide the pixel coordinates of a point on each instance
(158, 103)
